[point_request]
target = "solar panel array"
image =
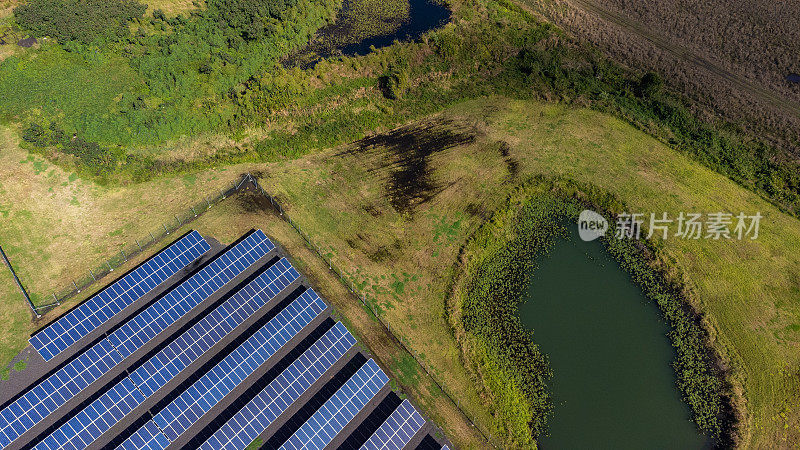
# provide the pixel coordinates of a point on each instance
(60, 387)
(149, 437)
(170, 361)
(320, 429)
(97, 418)
(209, 390)
(254, 418)
(242, 422)
(55, 390)
(87, 317)
(397, 430)
(168, 309)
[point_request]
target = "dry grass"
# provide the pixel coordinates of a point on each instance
(55, 226)
(172, 8)
(747, 289)
(7, 7)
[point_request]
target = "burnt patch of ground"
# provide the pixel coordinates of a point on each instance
(511, 163)
(372, 210)
(254, 202)
(374, 251)
(403, 157)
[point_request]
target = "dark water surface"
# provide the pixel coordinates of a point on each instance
(424, 15)
(793, 78)
(613, 383)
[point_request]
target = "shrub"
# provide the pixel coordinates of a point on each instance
(650, 85)
(394, 83)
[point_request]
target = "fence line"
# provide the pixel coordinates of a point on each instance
(19, 283)
(133, 250)
(348, 284)
(198, 209)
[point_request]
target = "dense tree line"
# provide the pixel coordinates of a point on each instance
(83, 21)
(560, 67)
(251, 19)
(201, 71)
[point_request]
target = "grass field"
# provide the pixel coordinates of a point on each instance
(392, 213)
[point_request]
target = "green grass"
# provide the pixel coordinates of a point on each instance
(256, 444)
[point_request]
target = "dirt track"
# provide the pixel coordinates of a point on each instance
(741, 83)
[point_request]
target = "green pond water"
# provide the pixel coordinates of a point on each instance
(613, 384)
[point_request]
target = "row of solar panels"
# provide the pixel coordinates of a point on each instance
(87, 317)
(188, 405)
(68, 381)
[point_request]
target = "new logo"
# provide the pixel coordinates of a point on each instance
(591, 225)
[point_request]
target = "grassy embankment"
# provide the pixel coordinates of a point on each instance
(401, 254)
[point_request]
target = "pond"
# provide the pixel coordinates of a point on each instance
(793, 78)
(613, 384)
(355, 32)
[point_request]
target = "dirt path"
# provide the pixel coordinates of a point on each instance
(739, 82)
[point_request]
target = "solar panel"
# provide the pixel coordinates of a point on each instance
(209, 390)
(254, 418)
(168, 309)
(97, 418)
(397, 430)
(320, 429)
(64, 384)
(88, 316)
(185, 349)
(56, 390)
(148, 437)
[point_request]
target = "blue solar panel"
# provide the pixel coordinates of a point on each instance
(56, 390)
(97, 418)
(320, 429)
(185, 349)
(148, 437)
(254, 418)
(87, 317)
(63, 385)
(168, 309)
(209, 390)
(395, 432)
